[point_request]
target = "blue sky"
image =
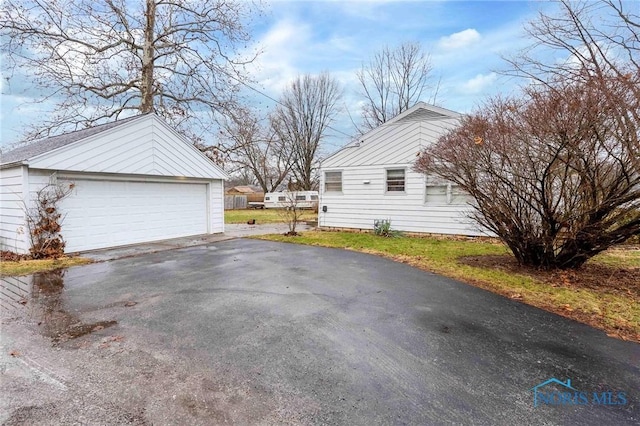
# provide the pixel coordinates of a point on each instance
(465, 40)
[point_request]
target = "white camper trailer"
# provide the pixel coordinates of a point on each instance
(288, 199)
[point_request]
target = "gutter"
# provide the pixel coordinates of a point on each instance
(14, 164)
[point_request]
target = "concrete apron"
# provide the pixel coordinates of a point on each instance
(231, 231)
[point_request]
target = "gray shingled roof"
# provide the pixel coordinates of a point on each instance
(49, 144)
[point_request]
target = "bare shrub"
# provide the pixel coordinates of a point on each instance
(292, 213)
(44, 221)
(555, 174)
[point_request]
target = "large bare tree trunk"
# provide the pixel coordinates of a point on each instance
(147, 83)
(97, 61)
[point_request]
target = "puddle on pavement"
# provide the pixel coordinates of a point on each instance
(41, 297)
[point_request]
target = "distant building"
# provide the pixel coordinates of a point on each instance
(241, 190)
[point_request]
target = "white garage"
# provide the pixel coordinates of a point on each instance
(134, 180)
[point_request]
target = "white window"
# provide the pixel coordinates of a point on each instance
(395, 180)
(282, 198)
(314, 198)
(333, 181)
(300, 197)
(439, 192)
(436, 194)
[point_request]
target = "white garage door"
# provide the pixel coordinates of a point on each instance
(113, 213)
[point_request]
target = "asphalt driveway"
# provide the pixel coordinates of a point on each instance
(255, 332)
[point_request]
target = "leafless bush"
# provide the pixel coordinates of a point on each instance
(292, 213)
(555, 174)
(44, 221)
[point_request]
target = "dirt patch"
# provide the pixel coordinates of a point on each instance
(596, 277)
(602, 279)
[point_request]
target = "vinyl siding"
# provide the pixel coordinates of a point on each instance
(216, 206)
(360, 204)
(396, 143)
(145, 147)
(13, 230)
(393, 145)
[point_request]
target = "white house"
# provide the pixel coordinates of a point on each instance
(372, 178)
(135, 180)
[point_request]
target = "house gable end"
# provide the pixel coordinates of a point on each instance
(394, 144)
(147, 146)
(398, 140)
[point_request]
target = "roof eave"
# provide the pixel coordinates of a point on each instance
(14, 164)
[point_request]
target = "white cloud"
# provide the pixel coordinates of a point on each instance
(282, 46)
(478, 83)
(459, 39)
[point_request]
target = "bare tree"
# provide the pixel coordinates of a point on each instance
(98, 61)
(305, 111)
(589, 38)
(240, 177)
(393, 81)
(555, 173)
(598, 40)
(256, 149)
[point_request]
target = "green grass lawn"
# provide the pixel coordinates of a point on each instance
(263, 216)
(24, 267)
(617, 312)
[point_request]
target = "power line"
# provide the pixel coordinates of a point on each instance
(275, 100)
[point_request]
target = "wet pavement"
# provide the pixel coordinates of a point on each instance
(232, 231)
(256, 332)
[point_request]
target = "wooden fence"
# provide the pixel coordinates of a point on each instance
(241, 201)
(234, 202)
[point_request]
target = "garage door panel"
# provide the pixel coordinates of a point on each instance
(111, 213)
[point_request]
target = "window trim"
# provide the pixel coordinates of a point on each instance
(449, 192)
(333, 191)
(386, 181)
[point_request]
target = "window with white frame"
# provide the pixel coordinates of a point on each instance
(438, 191)
(333, 181)
(436, 194)
(395, 180)
(301, 197)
